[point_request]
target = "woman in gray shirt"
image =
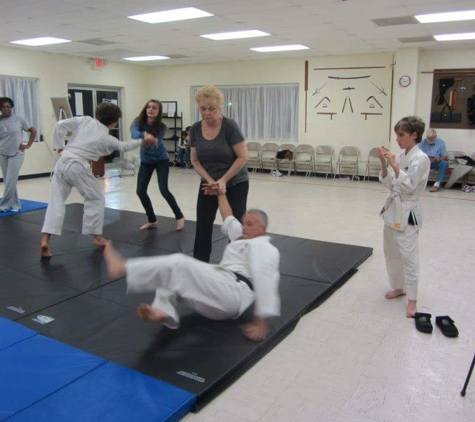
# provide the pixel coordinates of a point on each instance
(219, 155)
(12, 152)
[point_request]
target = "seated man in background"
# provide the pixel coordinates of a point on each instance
(248, 273)
(435, 148)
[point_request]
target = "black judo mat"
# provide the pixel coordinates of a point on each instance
(90, 312)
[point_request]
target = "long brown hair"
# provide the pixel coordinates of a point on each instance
(157, 125)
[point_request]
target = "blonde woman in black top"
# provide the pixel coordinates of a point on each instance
(219, 155)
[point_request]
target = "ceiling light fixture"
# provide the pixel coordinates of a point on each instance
(447, 17)
(145, 58)
(280, 48)
(34, 42)
(171, 15)
(455, 37)
(235, 35)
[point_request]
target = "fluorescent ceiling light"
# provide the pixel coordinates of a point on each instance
(145, 58)
(455, 37)
(280, 48)
(40, 41)
(447, 17)
(235, 35)
(172, 15)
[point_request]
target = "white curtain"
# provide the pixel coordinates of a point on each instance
(24, 93)
(263, 112)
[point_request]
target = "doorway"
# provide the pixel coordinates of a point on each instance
(84, 100)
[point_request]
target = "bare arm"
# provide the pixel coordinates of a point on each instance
(382, 154)
(33, 133)
(224, 207)
(242, 157)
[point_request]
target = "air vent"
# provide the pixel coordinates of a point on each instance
(97, 41)
(399, 20)
(115, 53)
(427, 38)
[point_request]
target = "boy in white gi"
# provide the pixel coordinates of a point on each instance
(248, 272)
(406, 177)
(89, 141)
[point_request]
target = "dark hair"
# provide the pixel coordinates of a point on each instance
(157, 125)
(184, 133)
(411, 124)
(188, 128)
(6, 100)
(108, 113)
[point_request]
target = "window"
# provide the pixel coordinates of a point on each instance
(263, 112)
(24, 93)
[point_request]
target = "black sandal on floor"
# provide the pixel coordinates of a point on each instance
(423, 323)
(447, 326)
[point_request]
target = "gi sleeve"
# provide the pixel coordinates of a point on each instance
(113, 144)
(232, 228)
(409, 179)
(61, 130)
(265, 276)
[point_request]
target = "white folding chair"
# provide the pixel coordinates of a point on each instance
(268, 152)
(303, 159)
(254, 154)
(285, 164)
(373, 165)
(323, 160)
(348, 159)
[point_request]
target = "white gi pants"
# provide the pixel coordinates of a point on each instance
(401, 250)
(207, 289)
(69, 173)
(11, 166)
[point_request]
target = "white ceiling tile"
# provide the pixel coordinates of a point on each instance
(328, 27)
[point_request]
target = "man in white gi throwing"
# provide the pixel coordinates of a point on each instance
(89, 141)
(247, 273)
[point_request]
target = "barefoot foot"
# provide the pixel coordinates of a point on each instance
(394, 293)
(149, 226)
(114, 261)
(180, 224)
(411, 308)
(45, 252)
(99, 241)
(149, 314)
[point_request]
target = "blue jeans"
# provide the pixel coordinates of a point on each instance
(184, 156)
(441, 168)
(145, 174)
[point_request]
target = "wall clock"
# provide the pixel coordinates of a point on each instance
(405, 81)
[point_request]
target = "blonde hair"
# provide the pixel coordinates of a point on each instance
(211, 94)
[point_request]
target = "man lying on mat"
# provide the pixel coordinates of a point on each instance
(248, 273)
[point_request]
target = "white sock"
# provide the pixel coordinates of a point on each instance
(437, 184)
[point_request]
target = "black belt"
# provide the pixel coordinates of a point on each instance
(240, 277)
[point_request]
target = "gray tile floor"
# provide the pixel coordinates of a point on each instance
(356, 358)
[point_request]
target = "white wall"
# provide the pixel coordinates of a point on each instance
(174, 82)
(455, 139)
(55, 72)
(139, 83)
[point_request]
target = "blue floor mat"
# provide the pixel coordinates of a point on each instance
(112, 393)
(25, 207)
(36, 367)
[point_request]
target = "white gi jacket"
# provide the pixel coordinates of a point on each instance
(257, 260)
(90, 139)
(406, 189)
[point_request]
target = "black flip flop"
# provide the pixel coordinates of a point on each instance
(447, 326)
(423, 323)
